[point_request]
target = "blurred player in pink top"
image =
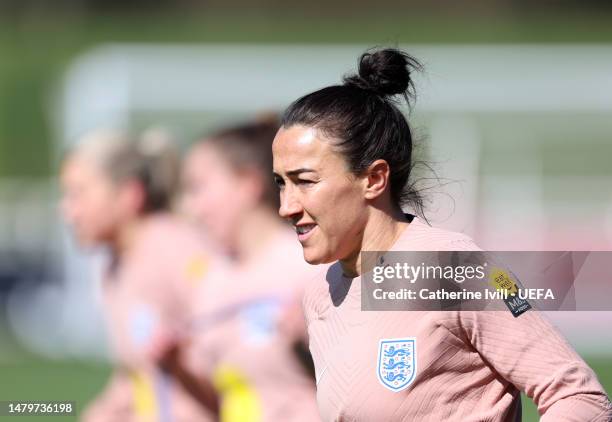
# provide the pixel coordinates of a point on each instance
(117, 193)
(250, 332)
(343, 158)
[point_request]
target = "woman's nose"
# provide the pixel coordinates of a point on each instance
(289, 205)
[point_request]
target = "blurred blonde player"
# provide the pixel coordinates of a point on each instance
(117, 193)
(343, 158)
(251, 326)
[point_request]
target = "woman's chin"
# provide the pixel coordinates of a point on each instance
(314, 257)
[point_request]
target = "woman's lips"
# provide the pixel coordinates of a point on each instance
(304, 231)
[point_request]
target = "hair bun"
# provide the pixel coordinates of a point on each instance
(386, 72)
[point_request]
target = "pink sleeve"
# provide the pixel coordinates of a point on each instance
(293, 323)
(113, 403)
(183, 264)
(530, 353)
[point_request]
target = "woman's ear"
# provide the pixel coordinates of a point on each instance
(376, 179)
(131, 197)
(252, 184)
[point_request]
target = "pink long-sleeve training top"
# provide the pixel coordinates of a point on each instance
(151, 290)
(245, 337)
(440, 365)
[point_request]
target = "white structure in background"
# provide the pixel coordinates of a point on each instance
(110, 85)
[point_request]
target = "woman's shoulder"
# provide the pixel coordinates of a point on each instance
(171, 245)
(420, 236)
(167, 227)
(174, 236)
(322, 288)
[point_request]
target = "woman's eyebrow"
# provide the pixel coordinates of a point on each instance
(299, 171)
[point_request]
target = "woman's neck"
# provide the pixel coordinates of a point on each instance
(381, 231)
(124, 240)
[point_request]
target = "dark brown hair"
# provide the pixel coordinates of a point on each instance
(362, 118)
(249, 145)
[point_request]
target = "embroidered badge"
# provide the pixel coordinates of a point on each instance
(396, 368)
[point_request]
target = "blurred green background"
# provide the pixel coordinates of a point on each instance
(37, 43)
(38, 40)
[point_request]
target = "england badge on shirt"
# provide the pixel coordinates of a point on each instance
(396, 368)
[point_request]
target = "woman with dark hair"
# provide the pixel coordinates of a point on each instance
(250, 338)
(343, 160)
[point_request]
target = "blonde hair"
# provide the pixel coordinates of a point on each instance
(151, 159)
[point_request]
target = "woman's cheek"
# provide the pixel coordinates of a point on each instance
(318, 201)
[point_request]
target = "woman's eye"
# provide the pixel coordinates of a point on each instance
(306, 182)
(279, 182)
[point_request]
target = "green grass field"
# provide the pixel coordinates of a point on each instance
(43, 380)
